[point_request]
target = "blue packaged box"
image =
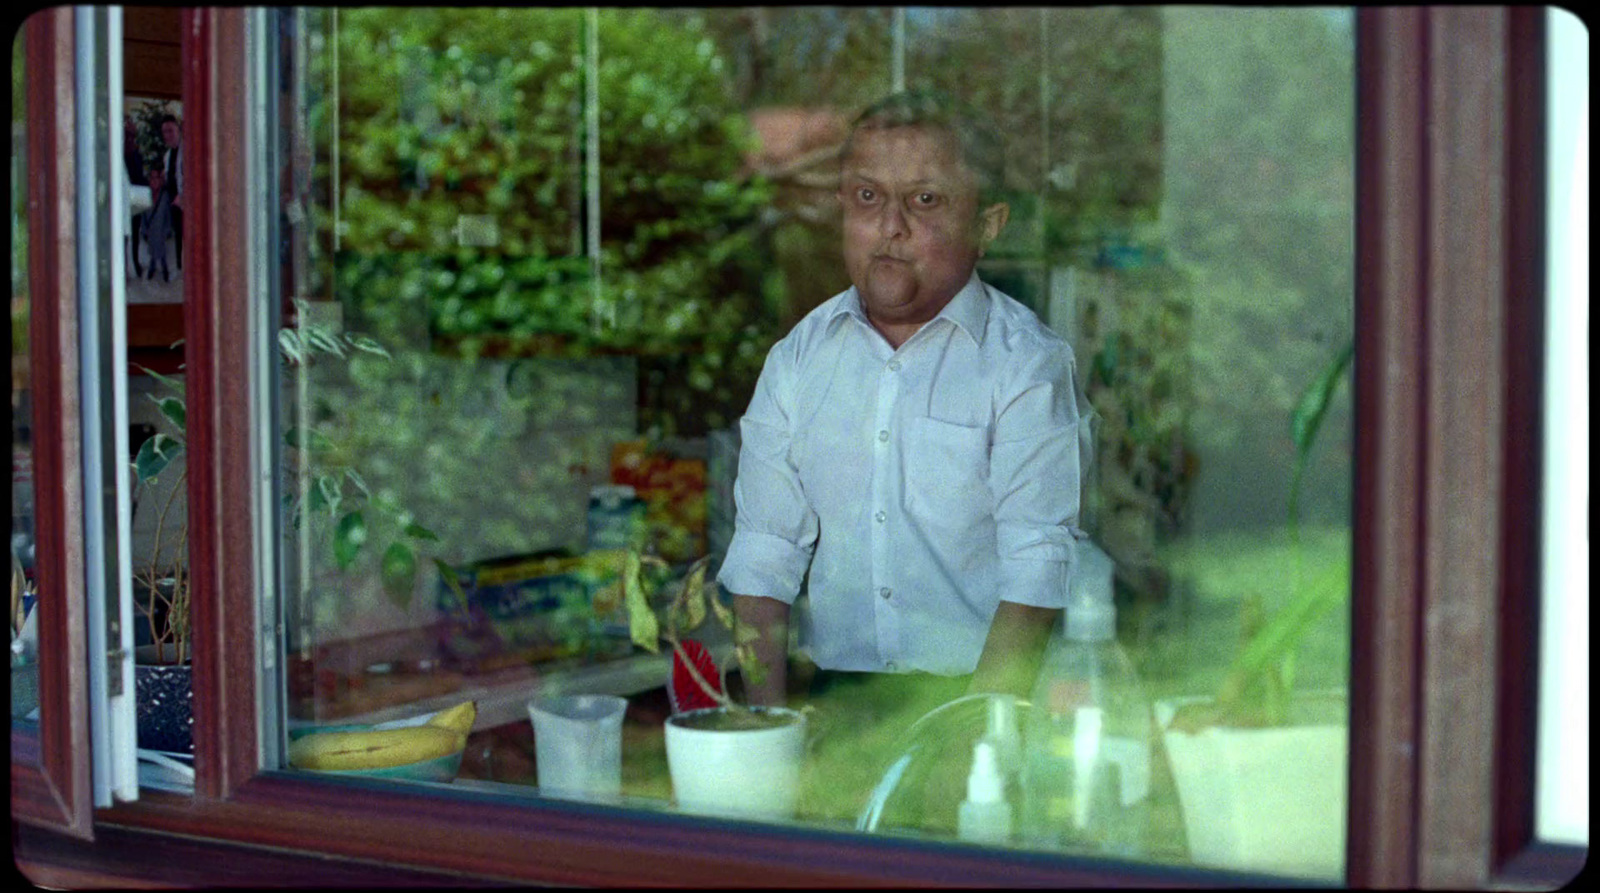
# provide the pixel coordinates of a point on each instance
(522, 609)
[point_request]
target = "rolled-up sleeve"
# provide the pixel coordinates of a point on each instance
(775, 528)
(1041, 445)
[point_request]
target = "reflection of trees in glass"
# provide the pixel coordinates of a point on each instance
(451, 112)
(832, 56)
(19, 192)
(1259, 162)
(445, 112)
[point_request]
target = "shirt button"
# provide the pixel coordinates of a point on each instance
(894, 365)
(880, 517)
(883, 436)
(884, 591)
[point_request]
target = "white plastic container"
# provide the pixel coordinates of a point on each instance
(577, 742)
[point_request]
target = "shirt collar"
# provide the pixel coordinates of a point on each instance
(968, 310)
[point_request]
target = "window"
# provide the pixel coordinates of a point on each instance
(463, 389)
(1396, 489)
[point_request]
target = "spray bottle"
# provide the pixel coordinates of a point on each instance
(1086, 764)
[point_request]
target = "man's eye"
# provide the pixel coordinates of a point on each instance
(866, 194)
(927, 199)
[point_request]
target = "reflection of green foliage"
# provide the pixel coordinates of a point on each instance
(338, 507)
(19, 193)
(1261, 202)
(1137, 376)
(449, 112)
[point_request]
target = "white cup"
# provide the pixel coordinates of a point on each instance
(578, 745)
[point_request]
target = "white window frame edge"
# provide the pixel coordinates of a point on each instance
(102, 309)
(1561, 800)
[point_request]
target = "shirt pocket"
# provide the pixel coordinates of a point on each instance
(947, 473)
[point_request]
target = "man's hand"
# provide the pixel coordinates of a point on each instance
(1011, 655)
(771, 618)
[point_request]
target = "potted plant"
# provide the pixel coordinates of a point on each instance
(1259, 766)
(724, 758)
(24, 662)
(338, 496)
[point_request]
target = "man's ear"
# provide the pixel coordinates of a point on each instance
(991, 221)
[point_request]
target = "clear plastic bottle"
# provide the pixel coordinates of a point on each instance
(1087, 744)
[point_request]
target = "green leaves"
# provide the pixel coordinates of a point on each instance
(399, 572)
(1306, 417)
(174, 409)
(155, 454)
(1305, 420)
(417, 531)
(642, 625)
(314, 440)
(348, 538)
(453, 581)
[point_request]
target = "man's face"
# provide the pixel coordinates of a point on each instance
(170, 133)
(912, 227)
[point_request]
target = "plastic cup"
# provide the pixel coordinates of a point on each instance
(578, 745)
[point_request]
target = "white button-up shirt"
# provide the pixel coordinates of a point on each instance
(920, 486)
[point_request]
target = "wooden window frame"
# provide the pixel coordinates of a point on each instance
(50, 782)
(1449, 245)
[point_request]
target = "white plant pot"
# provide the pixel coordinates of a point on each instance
(744, 773)
(1269, 800)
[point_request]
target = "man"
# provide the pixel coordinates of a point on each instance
(915, 442)
(172, 136)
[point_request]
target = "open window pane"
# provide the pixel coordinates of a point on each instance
(536, 260)
(24, 584)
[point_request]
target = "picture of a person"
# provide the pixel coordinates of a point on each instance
(158, 222)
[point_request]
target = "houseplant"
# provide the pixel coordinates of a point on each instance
(1260, 767)
(338, 504)
(724, 758)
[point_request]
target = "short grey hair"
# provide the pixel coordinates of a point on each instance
(980, 144)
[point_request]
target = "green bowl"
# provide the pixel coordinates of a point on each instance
(440, 769)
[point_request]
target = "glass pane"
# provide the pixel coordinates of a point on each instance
(539, 258)
(24, 585)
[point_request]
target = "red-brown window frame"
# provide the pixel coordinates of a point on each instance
(1445, 577)
(50, 782)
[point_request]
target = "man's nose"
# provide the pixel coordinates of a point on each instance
(892, 220)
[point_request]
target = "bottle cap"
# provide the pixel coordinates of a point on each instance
(611, 495)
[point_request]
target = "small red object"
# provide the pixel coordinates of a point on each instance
(684, 692)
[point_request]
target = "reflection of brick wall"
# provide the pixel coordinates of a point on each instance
(799, 153)
(791, 135)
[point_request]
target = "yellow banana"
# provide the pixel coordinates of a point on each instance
(373, 748)
(458, 718)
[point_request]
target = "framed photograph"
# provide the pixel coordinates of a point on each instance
(152, 152)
